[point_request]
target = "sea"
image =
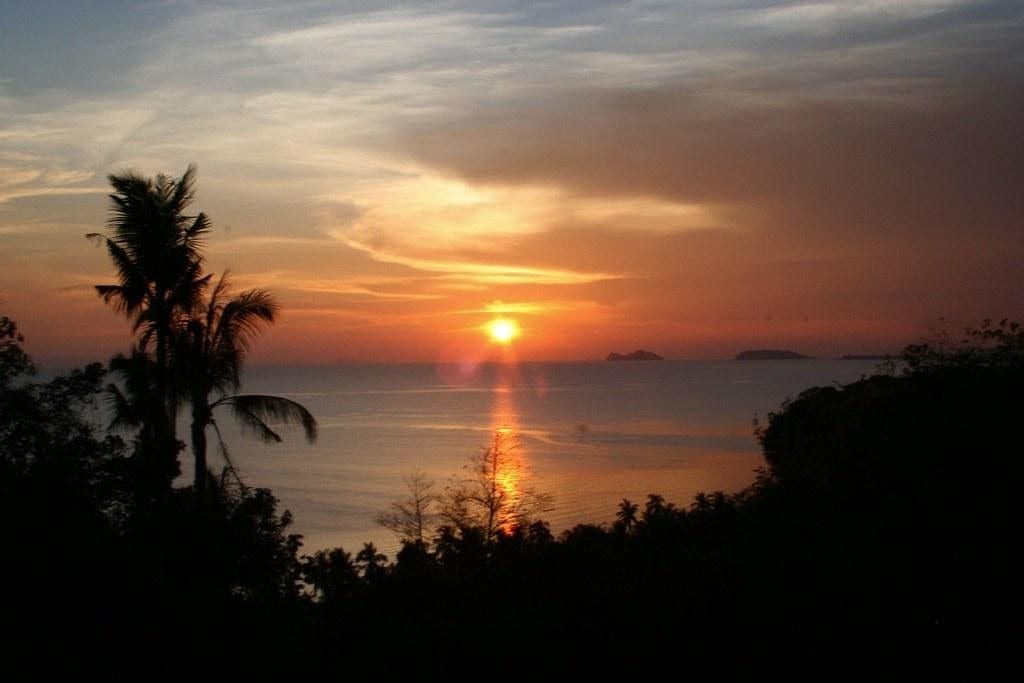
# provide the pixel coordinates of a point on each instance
(584, 434)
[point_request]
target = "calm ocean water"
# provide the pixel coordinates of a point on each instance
(589, 433)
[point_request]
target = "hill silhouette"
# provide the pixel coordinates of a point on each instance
(639, 354)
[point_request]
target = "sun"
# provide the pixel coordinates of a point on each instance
(503, 330)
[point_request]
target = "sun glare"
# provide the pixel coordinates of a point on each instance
(503, 330)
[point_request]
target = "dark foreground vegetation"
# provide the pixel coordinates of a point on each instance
(883, 525)
(880, 534)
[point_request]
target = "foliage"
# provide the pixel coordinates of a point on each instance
(62, 495)
(14, 362)
(371, 563)
(209, 357)
(331, 573)
(492, 494)
(71, 487)
(191, 348)
(413, 518)
(156, 249)
(990, 345)
(46, 441)
(77, 515)
(136, 410)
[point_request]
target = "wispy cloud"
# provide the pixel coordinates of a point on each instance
(20, 193)
(487, 273)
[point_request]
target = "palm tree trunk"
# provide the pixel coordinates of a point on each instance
(200, 418)
(165, 428)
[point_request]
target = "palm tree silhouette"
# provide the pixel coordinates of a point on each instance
(135, 406)
(156, 250)
(209, 359)
(371, 562)
(625, 518)
(331, 573)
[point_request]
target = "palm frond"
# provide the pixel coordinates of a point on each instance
(244, 317)
(110, 293)
(217, 296)
(134, 401)
(124, 416)
(194, 236)
(186, 292)
(255, 411)
(132, 291)
(181, 192)
(132, 206)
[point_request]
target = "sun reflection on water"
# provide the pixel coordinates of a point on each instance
(507, 454)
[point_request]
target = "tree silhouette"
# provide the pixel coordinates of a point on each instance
(626, 517)
(135, 406)
(491, 495)
(371, 562)
(13, 359)
(210, 356)
(331, 573)
(156, 249)
(412, 519)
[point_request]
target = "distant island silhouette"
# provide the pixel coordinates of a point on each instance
(770, 354)
(639, 354)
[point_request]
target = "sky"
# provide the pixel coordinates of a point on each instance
(694, 178)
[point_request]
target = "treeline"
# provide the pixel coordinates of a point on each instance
(881, 530)
(877, 536)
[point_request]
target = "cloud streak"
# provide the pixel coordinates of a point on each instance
(488, 273)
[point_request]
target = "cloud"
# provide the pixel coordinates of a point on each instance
(881, 134)
(486, 273)
(20, 193)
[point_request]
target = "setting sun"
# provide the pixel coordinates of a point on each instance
(503, 330)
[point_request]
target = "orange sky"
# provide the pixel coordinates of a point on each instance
(691, 178)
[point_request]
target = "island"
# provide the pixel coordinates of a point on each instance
(770, 354)
(639, 354)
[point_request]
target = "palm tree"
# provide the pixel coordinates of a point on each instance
(331, 573)
(156, 250)
(210, 357)
(135, 407)
(371, 562)
(625, 518)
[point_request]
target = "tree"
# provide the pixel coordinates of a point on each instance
(371, 562)
(210, 357)
(626, 517)
(907, 483)
(993, 345)
(331, 573)
(156, 250)
(491, 496)
(136, 408)
(13, 359)
(413, 517)
(61, 489)
(45, 438)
